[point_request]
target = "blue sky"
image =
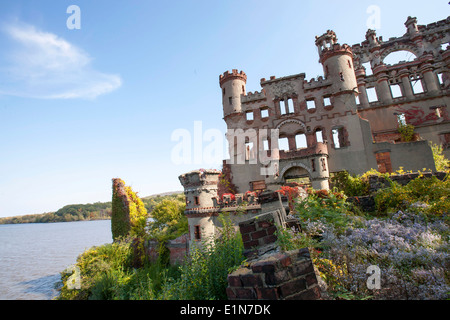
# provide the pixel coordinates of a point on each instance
(80, 107)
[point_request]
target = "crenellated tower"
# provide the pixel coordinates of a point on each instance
(200, 188)
(233, 86)
(337, 62)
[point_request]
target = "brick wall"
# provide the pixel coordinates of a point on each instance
(279, 276)
(178, 248)
(258, 232)
(269, 273)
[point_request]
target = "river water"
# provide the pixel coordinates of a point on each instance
(33, 255)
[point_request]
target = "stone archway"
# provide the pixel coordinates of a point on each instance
(297, 174)
(315, 168)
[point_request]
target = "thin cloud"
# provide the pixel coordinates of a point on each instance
(43, 65)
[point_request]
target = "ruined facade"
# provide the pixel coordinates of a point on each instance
(347, 119)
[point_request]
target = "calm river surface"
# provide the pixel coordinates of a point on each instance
(33, 255)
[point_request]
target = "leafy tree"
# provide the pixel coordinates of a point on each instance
(168, 220)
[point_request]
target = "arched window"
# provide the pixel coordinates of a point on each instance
(397, 57)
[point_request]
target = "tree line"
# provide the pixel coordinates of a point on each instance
(81, 212)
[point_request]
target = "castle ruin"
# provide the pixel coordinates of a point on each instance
(347, 119)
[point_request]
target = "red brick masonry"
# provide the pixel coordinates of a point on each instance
(278, 276)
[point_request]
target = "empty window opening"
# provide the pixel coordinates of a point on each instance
(440, 78)
(223, 91)
(282, 107)
(283, 144)
(401, 119)
(396, 91)
(368, 68)
(249, 115)
(384, 162)
(319, 135)
(265, 145)
(230, 100)
(313, 165)
(243, 89)
(300, 141)
(290, 105)
(437, 111)
(197, 233)
(397, 57)
(357, 99)
(323, 162)
(417, 86)
(196, 201)
(310, 104)
(339, 139)
(264, 113)
(249, 152)
(326, 101)
(341, 75)
(372, 94)
(349, 64)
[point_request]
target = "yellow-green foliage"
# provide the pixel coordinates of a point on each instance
(440, 161)
(168, 220)
(430, 194)
(128, 211)
(93, 264)
(138, 213)
(407, 132)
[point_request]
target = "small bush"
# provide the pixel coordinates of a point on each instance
(352, 186)
(429, 195)
(204, 274)
(324, 206)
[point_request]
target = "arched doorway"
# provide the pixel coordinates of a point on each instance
(297, 175)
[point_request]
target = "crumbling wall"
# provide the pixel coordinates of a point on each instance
(271, 274)
(278, 276)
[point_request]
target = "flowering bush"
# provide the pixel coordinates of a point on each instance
(291, 193)
(412, 253)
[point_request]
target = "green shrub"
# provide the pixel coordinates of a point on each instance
(352, 186)
(107, 274)
(328, 207)
(430, 195)
(204, 273)
(440, 161)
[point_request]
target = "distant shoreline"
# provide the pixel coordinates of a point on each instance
(81, 212)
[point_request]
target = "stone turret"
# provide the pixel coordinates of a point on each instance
(200, 188)
(233, 86)
(337, 62)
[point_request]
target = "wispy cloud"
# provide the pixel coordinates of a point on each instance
(43, 65)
